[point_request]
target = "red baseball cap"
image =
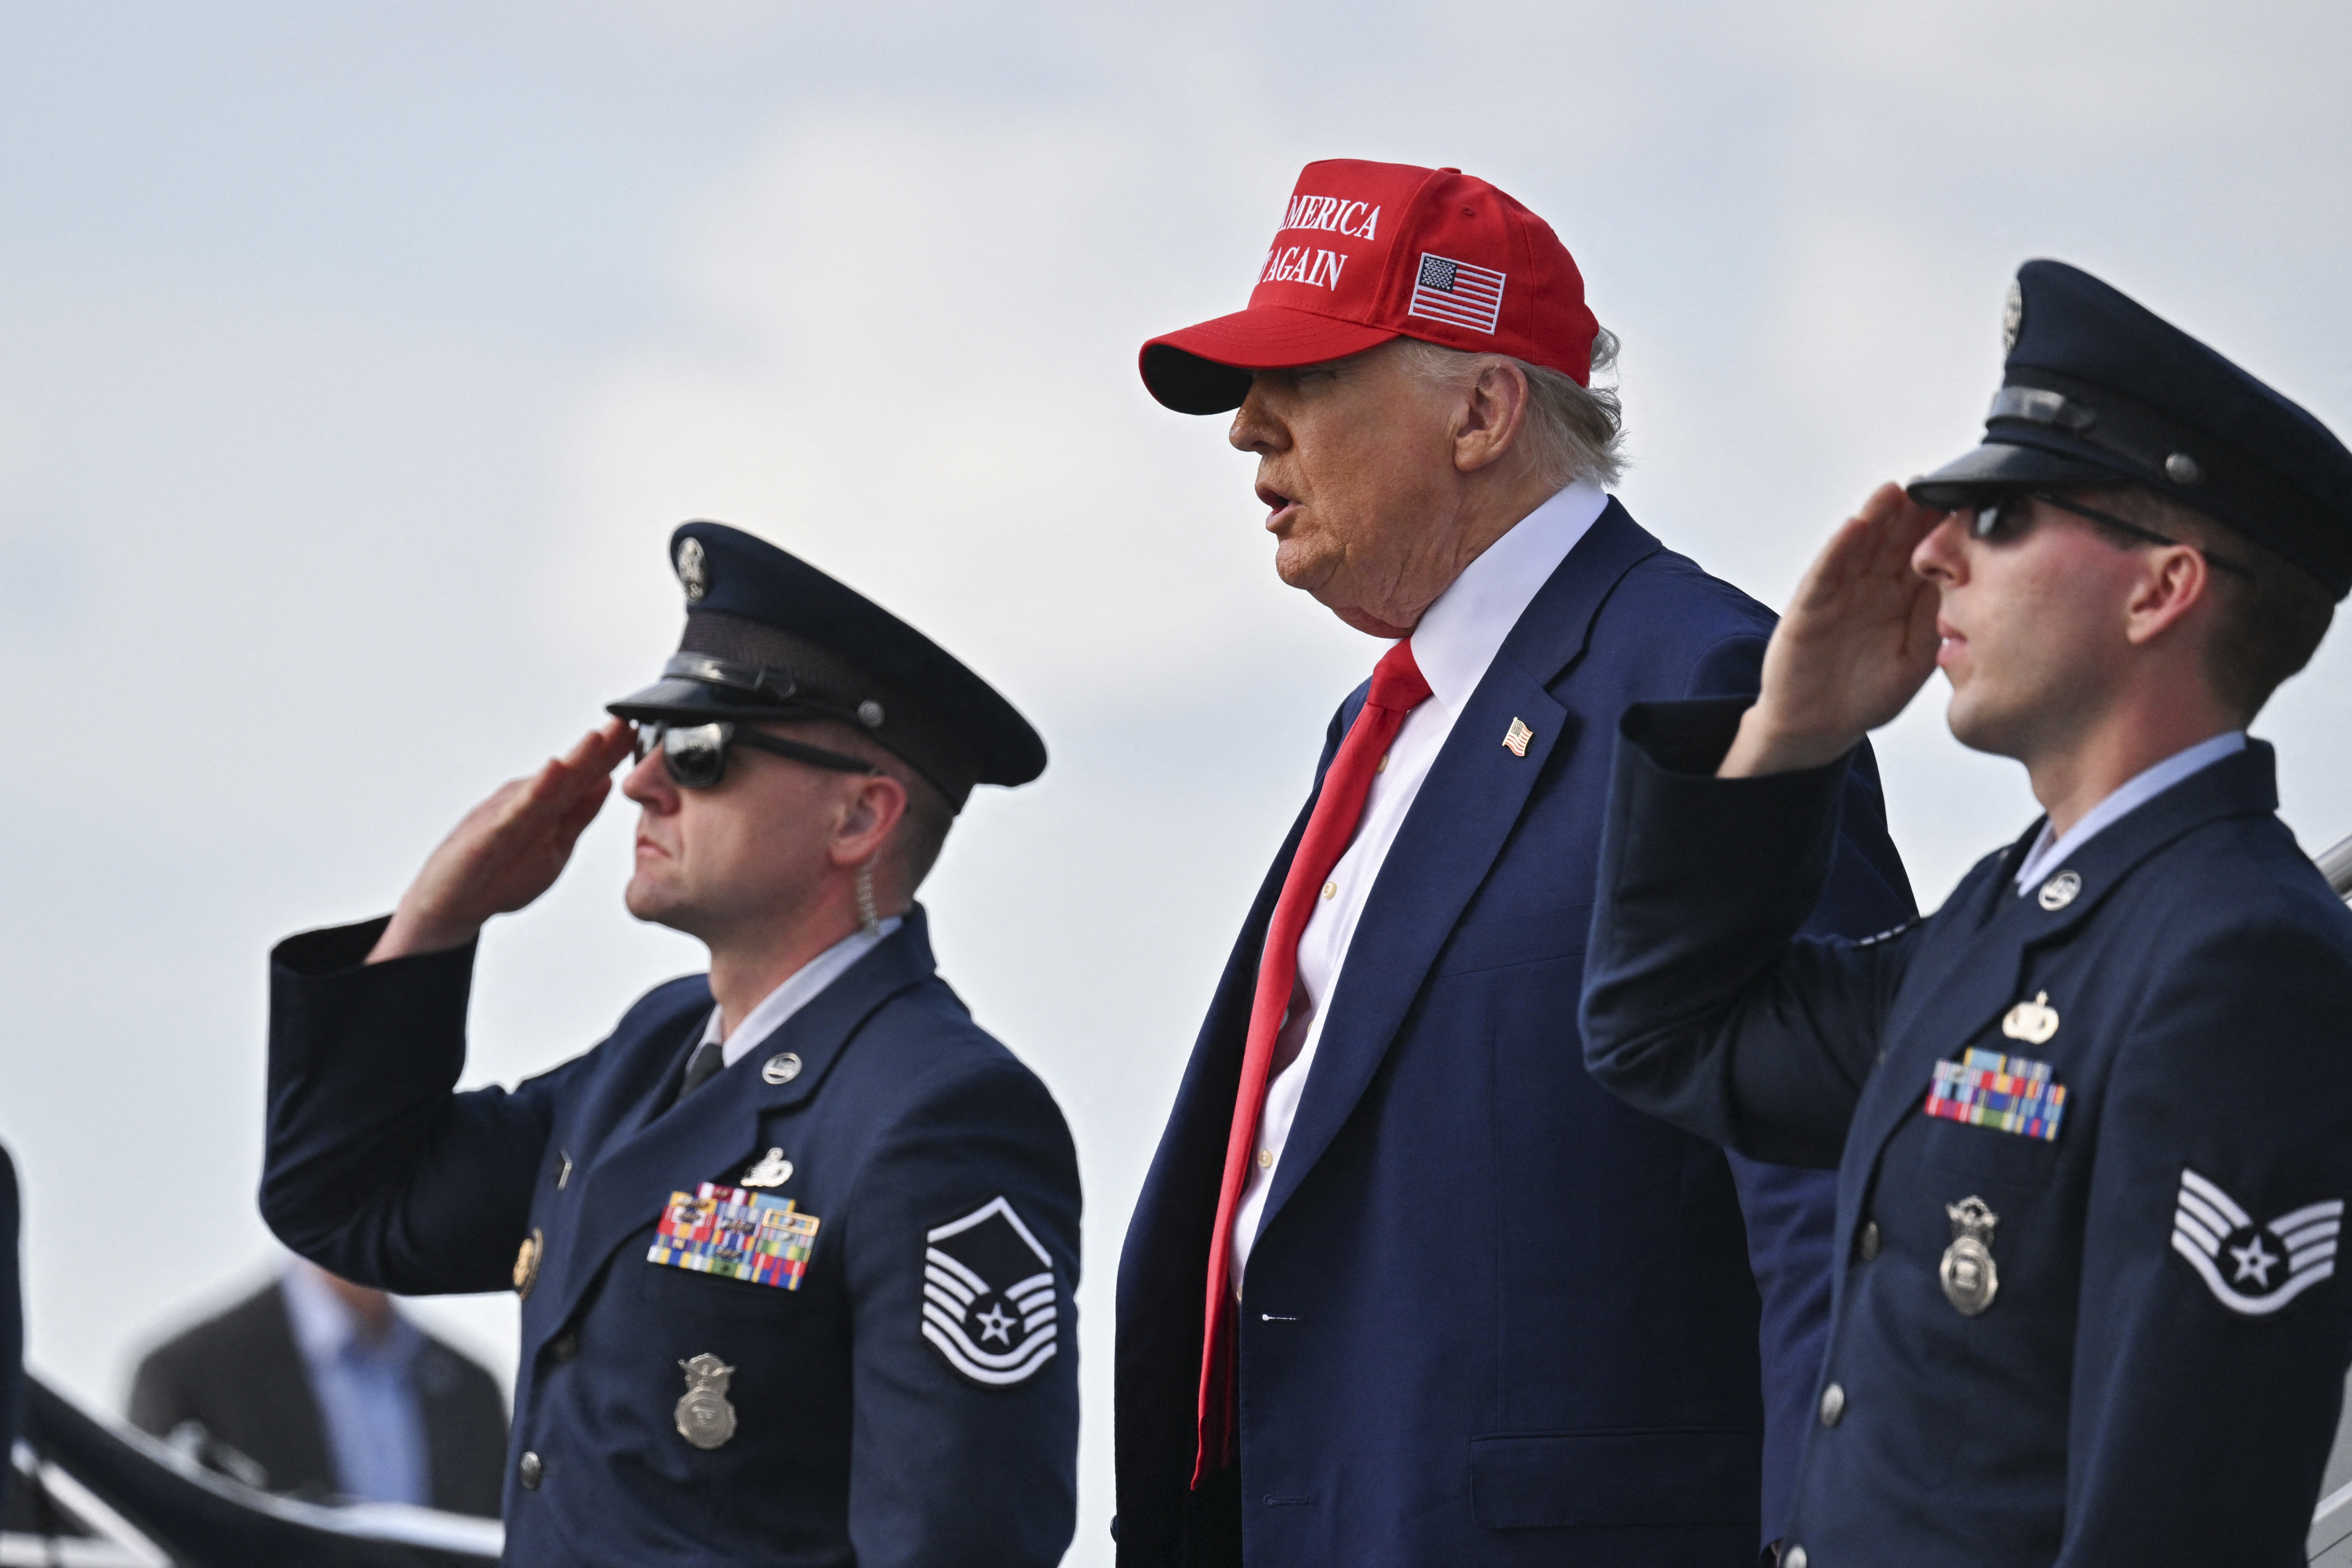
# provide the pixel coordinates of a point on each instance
(1367, 252)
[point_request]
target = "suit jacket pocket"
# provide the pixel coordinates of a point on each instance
(1616, 1477)
(685, 1292)
(1511, 940)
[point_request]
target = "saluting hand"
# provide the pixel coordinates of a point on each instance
(1858, 641)
(506, 851)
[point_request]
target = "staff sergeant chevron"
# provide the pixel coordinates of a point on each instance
(987, 1282)
(2299, 1248)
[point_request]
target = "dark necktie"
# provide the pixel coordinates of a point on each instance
(700, 1068)
(1397, 688)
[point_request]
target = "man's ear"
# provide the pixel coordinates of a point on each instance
(1492, 411)
(2178, 580)
(869, 816)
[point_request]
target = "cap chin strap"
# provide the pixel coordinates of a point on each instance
(2111, 423)
(774, 684)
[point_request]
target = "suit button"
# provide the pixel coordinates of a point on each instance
(1832, 1405)
(563, 1348)
(1869, 1245)
(1793, 1558)
(528, 1472)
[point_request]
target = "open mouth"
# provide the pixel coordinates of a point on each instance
(1277, 505)
(1950, 642)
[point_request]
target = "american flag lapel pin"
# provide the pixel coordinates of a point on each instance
(1516, 738)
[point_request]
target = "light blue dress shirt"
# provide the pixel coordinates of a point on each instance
(2131, 795)
(367, 1398)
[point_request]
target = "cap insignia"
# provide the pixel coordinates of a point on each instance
(2013, 317)
(693, 572)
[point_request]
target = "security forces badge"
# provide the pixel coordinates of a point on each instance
(989, 1303)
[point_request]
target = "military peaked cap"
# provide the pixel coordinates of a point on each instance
(770, 637)
(2097, 389)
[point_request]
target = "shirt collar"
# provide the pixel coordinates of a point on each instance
(323, 1326)
(2133, 793)
(1462, 630)
(806, 983)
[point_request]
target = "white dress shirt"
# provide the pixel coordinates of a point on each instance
(1456, 640)
(807, 982)
(2137, 791)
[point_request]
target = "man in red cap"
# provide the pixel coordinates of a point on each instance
(1404, 1285)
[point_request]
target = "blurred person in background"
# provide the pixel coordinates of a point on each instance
(320, 1388)
(1404, 1285)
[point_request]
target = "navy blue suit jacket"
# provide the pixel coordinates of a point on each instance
(1492, 1316)
(858, 1439)
(2155, 1375)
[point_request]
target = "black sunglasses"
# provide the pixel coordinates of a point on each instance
(695, 755)
(2004, 518)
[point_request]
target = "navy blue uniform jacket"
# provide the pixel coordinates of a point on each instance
(858, 1440)
(1492, 1316)
(2156, 1377)
(11, 1319)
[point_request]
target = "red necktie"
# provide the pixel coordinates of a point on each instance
(1397, 688)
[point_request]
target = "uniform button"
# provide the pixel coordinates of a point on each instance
(529, 1471)
(563, 1347)
(1793, 1558)
(1330, 889)
(1869, 1247)
(1832, 1405)
(1382, 765)
(1266, 1159)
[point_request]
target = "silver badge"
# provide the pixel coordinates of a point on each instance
(704, 1417)
(2033, 1022)
(1970, 1280)
(781, 1069)
(693, 572)
(2013, 317)
(770, 1170)
(2060, 890)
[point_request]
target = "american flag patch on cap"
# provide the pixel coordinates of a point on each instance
(1457, 293)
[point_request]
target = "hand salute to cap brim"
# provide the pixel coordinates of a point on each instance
(1858, 642)
(507, 850)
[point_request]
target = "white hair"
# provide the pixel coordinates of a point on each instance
(1571, 432)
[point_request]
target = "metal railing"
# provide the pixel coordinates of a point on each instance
(106, 1497)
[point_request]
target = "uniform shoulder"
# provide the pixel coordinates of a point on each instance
(2247, 873)
(670, 999)
(923, 1041)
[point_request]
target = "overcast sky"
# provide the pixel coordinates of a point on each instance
(355, 362)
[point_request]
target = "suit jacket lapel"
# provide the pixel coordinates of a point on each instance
(1466, 809)
(650, 1155)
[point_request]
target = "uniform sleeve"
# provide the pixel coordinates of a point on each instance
(962, 1256)
(374, 1168)
(2215, 1321)
(1791, 1213)
(1703, 1005)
